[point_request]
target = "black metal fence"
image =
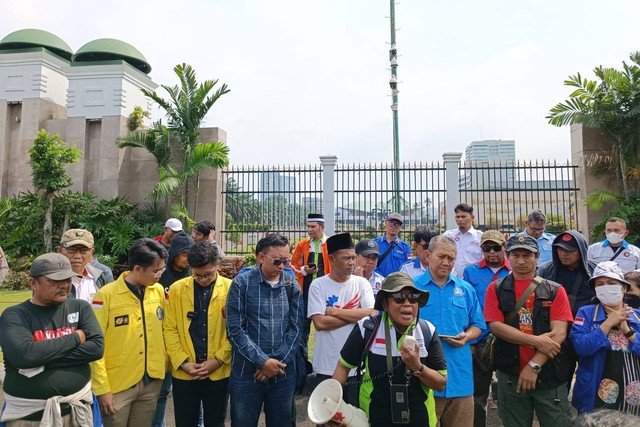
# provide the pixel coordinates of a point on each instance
(504, 194)
(277, 199)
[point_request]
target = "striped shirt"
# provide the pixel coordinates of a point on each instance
(261, 321)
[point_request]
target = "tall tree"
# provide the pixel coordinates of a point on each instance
(48, 158)
(612, 102)
(177, 148)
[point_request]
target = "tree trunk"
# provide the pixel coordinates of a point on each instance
(48, 222)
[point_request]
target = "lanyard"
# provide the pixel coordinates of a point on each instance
(387, 340)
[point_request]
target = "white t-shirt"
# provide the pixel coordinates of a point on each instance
(324, 292)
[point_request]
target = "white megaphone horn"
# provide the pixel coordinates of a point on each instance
(326, 404)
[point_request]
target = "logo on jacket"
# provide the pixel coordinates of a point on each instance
(73, 317)
(160, 313)
(121, 320)
(458, 292)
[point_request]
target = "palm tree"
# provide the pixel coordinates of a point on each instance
(177, 148)
(613, 104)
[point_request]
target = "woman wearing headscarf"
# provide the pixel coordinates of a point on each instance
(399, 378)
(606, 341)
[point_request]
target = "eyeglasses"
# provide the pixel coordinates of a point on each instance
(538, 229)
(159, 272)
(394, 223)
(278, 262)
(72, 250)
(487, 248)
(424, 246)
(204, 278)
(400, 298)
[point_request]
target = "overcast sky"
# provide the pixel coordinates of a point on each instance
(311, 78)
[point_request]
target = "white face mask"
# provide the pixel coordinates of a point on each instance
(615, 238)
(609, 294)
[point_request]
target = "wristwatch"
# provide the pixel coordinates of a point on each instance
(418, 372)
(536, 368)
(630, 333)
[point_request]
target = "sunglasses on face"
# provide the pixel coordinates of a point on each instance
(394, 223)
(278, 262)
(400, 298)
(487, 248)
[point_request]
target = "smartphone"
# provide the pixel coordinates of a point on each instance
(448, 336)
(311, 265)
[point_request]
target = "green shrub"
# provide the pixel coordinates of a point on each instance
(15, 281)
(627, 210)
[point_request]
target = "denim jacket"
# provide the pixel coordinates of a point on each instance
(261, 321)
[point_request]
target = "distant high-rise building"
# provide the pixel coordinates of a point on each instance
(277, 184)
(491, 151)
(496, 157)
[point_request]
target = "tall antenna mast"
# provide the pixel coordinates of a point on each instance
(393, 83)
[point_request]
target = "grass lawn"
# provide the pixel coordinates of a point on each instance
(9, 298)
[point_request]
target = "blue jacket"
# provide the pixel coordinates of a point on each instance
(592, 344)
(480, 276)
(398, 256)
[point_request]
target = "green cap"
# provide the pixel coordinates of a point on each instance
(53, 266)
(395, 282)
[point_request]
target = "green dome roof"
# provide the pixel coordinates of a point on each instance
(32, 37)
(110, 49)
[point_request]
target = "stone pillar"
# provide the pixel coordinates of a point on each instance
(452, 172)
(587, 141)
(210, 198)
(329, 163)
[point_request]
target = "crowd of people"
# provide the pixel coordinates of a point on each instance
(415, 333)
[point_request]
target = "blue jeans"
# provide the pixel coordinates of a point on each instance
(161, 406)
(249, 395)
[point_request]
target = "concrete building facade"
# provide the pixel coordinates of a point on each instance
(86, 98)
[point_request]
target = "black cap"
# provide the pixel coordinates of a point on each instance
(315, 217)
(566, 241)
(366, 247)
(522, 242)
(338, 242)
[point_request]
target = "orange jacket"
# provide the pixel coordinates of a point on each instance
(301, 255)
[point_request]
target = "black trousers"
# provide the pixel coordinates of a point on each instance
(189, 394)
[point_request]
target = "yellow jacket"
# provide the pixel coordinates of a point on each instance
(176, 327)
(120, 316)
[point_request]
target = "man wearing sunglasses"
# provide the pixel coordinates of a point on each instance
(493, 266)
(454, 310)
(336, 302)
(393, 251)
(264, 326)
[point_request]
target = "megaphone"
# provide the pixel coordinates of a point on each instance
(326, 404)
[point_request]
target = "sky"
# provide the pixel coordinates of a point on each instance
(311, 78)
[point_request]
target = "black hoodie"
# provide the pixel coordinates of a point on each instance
(181, 242)
(555, 271)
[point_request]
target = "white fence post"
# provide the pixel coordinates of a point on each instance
(452, 183)
(329, 163)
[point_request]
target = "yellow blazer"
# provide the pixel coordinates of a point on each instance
(178, 341)
(119, 314)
